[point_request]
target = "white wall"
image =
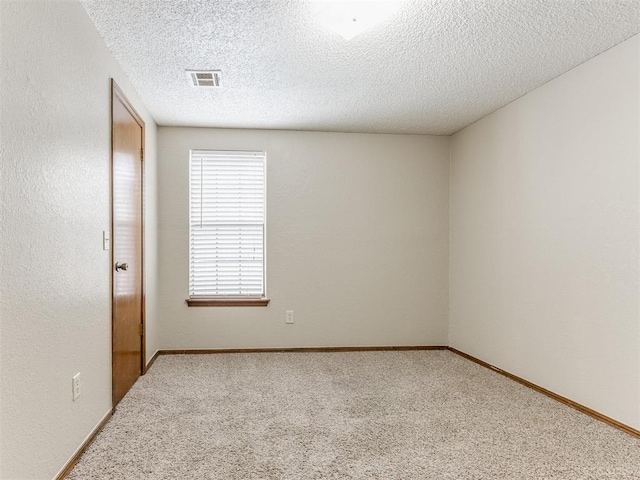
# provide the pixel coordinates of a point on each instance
(357, 241)
(544, 236)
(55, 297)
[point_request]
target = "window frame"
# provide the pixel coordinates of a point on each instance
(224, 300)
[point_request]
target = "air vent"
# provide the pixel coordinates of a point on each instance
(204, 78)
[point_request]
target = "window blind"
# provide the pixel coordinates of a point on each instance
(227, 224)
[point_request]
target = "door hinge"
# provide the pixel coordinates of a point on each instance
(142, 154)
(141, 329)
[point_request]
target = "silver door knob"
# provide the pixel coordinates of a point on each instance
(121, 266)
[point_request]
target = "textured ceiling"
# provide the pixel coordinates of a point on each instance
(434, 67)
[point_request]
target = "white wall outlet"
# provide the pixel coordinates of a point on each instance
(289, 317)
(106, 240)
(75, 383)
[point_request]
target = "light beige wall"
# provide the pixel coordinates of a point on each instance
(55, 293)
(544, 236)
(357, 234)
(150, 233)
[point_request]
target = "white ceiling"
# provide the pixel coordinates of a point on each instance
(435, 67)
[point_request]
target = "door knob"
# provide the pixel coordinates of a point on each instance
(121, 266)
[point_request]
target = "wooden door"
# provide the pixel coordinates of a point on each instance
(127, 151)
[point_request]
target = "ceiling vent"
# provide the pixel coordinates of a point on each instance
(204, 78)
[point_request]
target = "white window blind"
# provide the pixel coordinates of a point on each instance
(227, 224)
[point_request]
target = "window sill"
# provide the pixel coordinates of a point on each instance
(227, 302)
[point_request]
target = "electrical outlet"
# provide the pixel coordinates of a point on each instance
(289, 317)
(75, 383)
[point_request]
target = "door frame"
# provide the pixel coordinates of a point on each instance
(118, 95)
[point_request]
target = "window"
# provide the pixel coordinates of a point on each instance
(227, 228)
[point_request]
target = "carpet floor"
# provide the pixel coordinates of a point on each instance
(360, 415)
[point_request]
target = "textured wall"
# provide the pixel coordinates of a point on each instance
(544, 236)
(357, 232)
(55, 304)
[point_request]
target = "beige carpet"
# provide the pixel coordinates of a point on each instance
(382, 415)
